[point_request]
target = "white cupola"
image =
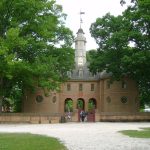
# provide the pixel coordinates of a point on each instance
(80, 49)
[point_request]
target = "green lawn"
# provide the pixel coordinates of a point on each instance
(26, 141)
(144, 133)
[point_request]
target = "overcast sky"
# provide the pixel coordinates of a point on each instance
(93, 9)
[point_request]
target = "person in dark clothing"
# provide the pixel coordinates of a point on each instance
(82, 115)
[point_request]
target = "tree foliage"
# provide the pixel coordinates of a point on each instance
(69, 105)
(124, 45)
(35, 45)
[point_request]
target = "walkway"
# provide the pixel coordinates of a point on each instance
(87, 136)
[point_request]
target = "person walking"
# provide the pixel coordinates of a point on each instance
(82, 115)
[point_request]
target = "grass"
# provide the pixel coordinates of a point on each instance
(144, 133)
(26, 141)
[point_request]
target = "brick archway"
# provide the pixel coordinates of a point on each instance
(68, 105)
(80, 106)
(80, 103)
(92, 105)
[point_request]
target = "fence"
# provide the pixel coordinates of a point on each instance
(29, 118)
(139, 116)
(60, 118)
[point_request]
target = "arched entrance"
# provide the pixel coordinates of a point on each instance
(92, 105)
(68, 109)
(80, 106)
(68, 105)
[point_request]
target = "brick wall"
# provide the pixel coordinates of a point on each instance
(57, 118)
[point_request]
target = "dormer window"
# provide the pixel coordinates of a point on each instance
(68, 87)
(124, 85)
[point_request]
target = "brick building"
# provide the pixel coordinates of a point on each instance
(85, 89)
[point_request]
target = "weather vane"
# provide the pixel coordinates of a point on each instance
(81, 21)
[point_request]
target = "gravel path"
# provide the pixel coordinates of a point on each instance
(87, 136)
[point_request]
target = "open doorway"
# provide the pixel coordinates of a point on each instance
(80, 106)
(92, 105)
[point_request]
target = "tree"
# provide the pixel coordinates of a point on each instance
(80, 104)
(35, 45)
(90, 54)
(69, 105)
(124, 45)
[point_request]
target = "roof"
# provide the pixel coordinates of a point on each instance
(80, 31)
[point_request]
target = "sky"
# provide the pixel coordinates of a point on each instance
(93, 9)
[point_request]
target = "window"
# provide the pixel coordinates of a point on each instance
(68, 87)
(108, 84)
(39, 98)
(80, 87)
(108, 99)
(124, 99)
(81, 72)
(54, 99)
(124, 85)
(92, 87)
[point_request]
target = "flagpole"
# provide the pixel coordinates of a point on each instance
(80, 19)
(81, 13)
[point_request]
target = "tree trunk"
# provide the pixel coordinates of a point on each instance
(1, 104)
(1, 91)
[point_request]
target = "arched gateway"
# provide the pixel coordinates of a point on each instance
(68, 105)
(90, 112)
(92, 105)
(80, 106)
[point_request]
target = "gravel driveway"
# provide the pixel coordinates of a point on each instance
(87, 136)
